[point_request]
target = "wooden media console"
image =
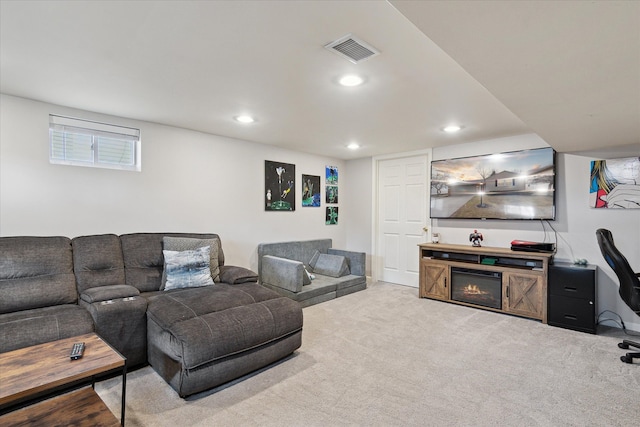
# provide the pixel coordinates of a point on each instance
(496, 279)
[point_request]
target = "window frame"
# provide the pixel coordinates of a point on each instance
(99, 133)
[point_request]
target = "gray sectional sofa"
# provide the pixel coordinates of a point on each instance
(196, 338)
(311, 271)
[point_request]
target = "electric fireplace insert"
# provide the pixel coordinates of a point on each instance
(479, 287)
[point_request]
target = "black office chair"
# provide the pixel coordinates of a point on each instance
(629, 283)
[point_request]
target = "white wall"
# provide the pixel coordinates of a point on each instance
(197, 182)
(190, 181)
(355, 209)
(575, 222)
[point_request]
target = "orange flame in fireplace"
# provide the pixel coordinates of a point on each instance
(473, 289)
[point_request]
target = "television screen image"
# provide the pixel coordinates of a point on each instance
(513, 185)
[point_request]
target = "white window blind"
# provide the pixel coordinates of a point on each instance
(87, 143)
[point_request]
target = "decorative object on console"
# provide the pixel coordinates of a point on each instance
(279, 182)
(475, 238)
(435, 237)
(615, 183)
(514, 185)
(629, 283)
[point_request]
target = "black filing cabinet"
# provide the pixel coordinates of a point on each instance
(572, 291)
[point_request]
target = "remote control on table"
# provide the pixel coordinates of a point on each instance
(77, 351)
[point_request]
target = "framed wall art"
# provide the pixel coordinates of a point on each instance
(615, 183)
(310, 190)
(331, 175)
(279, 183)
(331, 217)
(331, 194)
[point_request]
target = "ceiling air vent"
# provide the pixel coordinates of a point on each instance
(353, 49)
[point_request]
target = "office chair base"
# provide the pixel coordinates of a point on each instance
(628, 358)
(625, 344)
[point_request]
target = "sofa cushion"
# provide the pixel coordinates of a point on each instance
(188, 244)
(210, 323)
(35, 272)
(97, 261)
(173, 306)
(31, 327)
(143, 260)
(233, 274)
(329, 265)
(187, 269)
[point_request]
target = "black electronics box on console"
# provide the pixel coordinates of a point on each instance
(525, 246)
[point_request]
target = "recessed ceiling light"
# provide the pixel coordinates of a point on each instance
(351, 80)
(353, 146)
(452, 128)
(245, 119)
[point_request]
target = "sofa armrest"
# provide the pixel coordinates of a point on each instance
(105, 293)
(282, 272)
(357, 260)
(233, 275)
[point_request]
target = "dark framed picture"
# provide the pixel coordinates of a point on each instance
(331, 194)
(279, 186)
(310, 190)
(331, 217)
(331, 175)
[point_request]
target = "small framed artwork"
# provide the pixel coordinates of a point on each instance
(279, 183)
(331, 217)
(331, 194)
(615, 183)
(310, 190)
(331, 175)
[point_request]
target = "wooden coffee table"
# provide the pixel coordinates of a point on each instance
(32, 374)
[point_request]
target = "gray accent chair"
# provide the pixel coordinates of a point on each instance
(38, 297)
(281, 267)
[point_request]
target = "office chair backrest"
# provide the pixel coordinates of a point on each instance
(629, 281)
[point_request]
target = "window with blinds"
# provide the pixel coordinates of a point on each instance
(86, 143)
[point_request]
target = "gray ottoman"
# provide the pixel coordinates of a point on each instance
(200, 338)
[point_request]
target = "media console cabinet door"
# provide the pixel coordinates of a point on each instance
(523, 294)
(434, 279)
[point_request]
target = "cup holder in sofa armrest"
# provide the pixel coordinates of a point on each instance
(106, 293)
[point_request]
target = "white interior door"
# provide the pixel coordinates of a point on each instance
(402, 214)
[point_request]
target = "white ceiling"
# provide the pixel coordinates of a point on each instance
(568, 71)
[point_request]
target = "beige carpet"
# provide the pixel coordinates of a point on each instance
(384, 357)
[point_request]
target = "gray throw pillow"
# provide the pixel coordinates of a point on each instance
(329, 265)
(187, 269)
(188, 244)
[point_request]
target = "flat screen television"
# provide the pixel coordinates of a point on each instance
(512, 185)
